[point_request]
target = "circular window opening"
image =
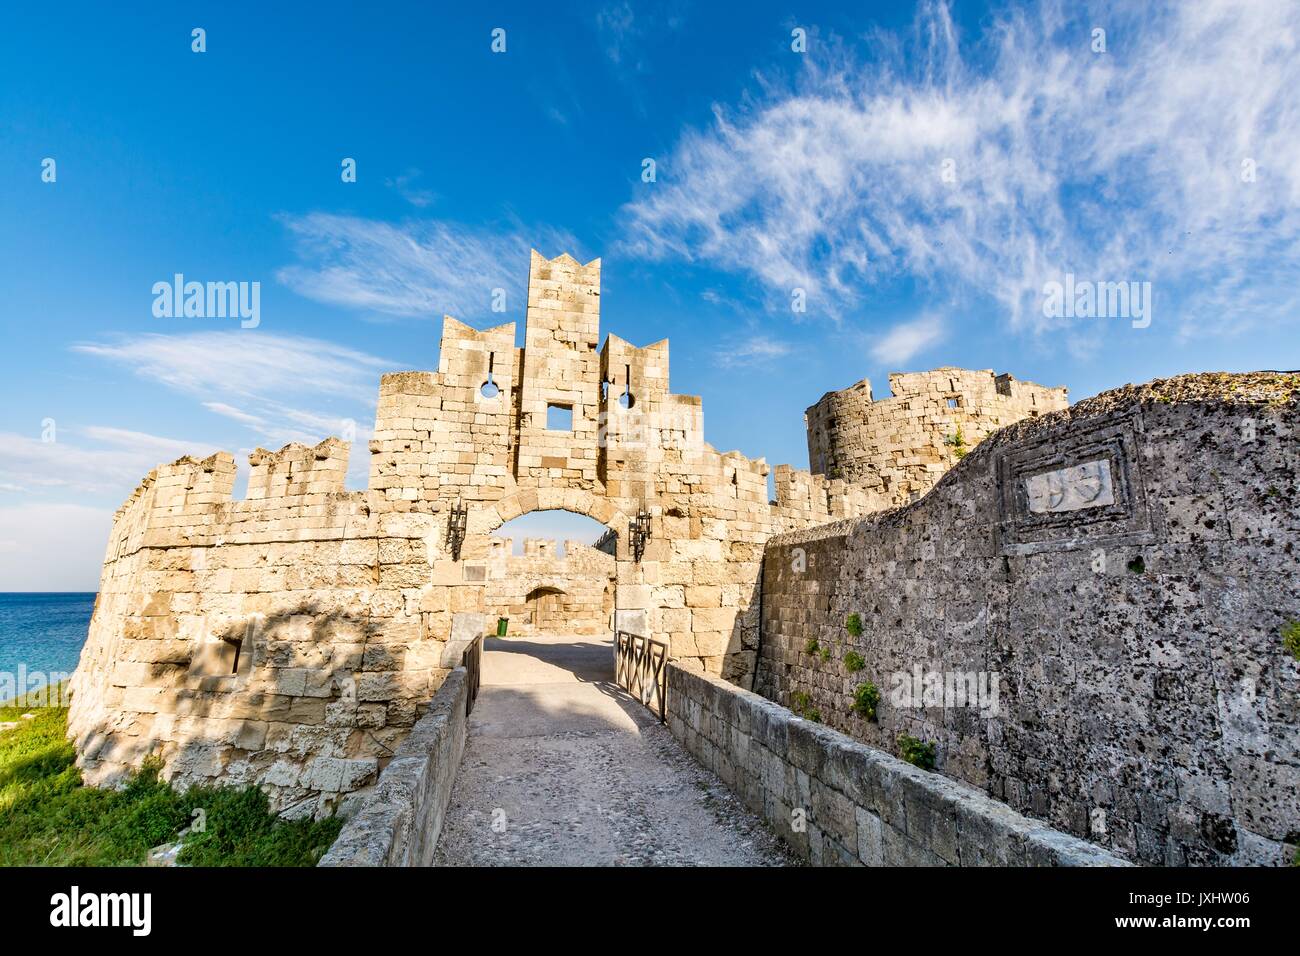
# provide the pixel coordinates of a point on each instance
(627, 400)
(489, 389)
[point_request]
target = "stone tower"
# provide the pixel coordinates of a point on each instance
(899, 447)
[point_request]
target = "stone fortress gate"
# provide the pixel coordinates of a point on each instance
(293, 638)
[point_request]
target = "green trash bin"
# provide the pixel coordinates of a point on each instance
(502, 624)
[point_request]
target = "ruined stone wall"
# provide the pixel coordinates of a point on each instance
(1124, 569)
(293, 638)
(541, 593)
(899, 447)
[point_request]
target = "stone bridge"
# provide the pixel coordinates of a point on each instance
(557, 765)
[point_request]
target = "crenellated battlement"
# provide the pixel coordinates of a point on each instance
(297, 471)
(899, 447)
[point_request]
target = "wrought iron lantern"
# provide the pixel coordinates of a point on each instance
(456, 529)
(638, 533)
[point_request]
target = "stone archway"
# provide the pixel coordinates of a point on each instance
(530, 582)
(576, 501)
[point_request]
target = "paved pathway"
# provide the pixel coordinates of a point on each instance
(564, 768)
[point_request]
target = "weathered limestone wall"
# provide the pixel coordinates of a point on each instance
(541, 593)
(855, 806)
(899, 447)
(1124, 569)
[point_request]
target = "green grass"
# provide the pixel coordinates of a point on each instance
(49, 818)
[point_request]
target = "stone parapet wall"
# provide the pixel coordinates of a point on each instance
(837, 802)
(400, 821)
(899, 447)
(1125, 570)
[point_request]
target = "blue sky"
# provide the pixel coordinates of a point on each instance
(919, 172)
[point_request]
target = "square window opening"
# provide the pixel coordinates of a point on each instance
(559, 418)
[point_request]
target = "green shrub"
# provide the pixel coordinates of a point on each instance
(853, 624)
(957, 441)
(811, 646)
(916, 752)
(865, 698)
(854, 662)
(1291, 638)
(814, 715)
(825, 654)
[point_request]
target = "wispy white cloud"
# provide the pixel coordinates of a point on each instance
(277, 425)
(52, 547)
(617, 27)
(139, 442)
(282, 388)
(406, 187)
(420, 268)
(239, 415)
(907, 339)
(113, 461)
(981, 167)
(245, 362)
(753, 349)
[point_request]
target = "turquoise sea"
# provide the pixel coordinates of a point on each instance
(42, 633)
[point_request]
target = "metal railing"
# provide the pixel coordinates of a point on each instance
(640, 668)
(473, 663)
